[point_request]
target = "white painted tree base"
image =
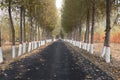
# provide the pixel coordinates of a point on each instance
(77, 43)
(39, 43)
(103, 51)
(84, 46)
(24, 47)
(88, 47)
(44, 42)
(32, 45)
(29, 47)
(106, 52)
(74, 43)
(35, 44)
(107, 55)
(80, 44)
(20, 50)
(1, 55)
(54, 39)
(13, 52)
(91, 48)
(70, 41)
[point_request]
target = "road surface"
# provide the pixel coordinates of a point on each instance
(55, 62)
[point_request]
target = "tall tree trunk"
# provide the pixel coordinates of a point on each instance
(39, 35)
(74, 37)
(85, 40)
(86, 37)
(0, 38)
(12, 29)
(24, 32)
(21, 19)
(43, 37)
(21, 16)
(77, 36)
(70, 37)
(88, 31)
(1, 55)
(106, 49)
(30, 34)
(108, 28)
(45, 32)
(24, 28)
(72, 34)
(77, 33)
(80, 34)
(92, 28)
(35, 35)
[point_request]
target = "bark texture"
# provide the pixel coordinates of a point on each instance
(11, 23)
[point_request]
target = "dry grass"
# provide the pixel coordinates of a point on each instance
(7, 52)
(115, 52)
(112, 69)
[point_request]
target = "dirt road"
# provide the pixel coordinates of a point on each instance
(55, 62)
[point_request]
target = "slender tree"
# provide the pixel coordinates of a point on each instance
(86, 37)
(12, 29)
(80, 34)
(30, 35)
(92, 28)
(106, 49)
(88, 29)
(24, 32)
(20, 40)
(1, 55)
(39, 35)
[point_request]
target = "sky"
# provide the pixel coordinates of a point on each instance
(59, 4)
